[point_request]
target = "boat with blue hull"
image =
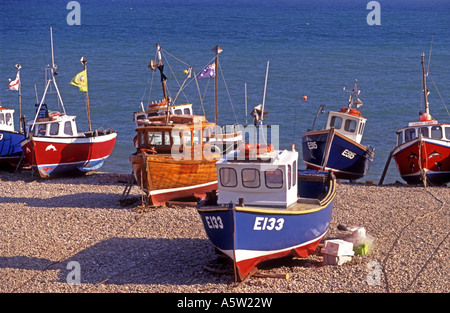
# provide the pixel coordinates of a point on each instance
(265, 209)
(338, 147)
(10, 149)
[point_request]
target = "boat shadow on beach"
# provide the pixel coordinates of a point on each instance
(76, 178)
(142, 261)
(87, 200)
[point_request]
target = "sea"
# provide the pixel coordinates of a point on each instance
(313, 49)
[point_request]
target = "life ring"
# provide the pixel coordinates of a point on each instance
(259, 148)
(54, 114)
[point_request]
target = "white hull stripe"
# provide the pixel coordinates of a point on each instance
(160, 191)
(242, 255)
(72, 163)
(72, 140)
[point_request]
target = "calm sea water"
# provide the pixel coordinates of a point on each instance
(315, 48)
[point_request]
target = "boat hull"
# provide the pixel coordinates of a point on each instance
(54, 156)
(10, 149)
(346, 158)
(250, 235)
(423, 157)
(164, 178)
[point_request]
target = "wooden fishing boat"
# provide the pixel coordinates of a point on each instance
(338, 147)
(265, 209)
(422, 153)
(55, 147)
(174, 158)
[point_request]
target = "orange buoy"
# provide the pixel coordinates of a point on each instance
(305, 98)
(425, 117)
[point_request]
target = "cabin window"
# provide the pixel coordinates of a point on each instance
(176, 139)
(158, 139)
(436, 132)
(361, 128)
(336, 122)
(187, 138)
(178, 112)
(8, 119)
(399, 138)
(250, 178)
(447, 132)
(410, 134)
(141, 139)
(187, 111)
(425, 132)
(41, 130)
(294, 173)
(2, 118)
(289, 176)
(206, 135)
(197, 137)
(274, 179)
(228, 177)
(68, 128)
(350, 126)
(54, 127)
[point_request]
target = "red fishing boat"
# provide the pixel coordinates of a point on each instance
(422, 154)
(54, 146)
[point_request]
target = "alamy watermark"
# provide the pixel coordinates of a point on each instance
(74, 276)
(74, 16)
(374, 276)
(374, 16)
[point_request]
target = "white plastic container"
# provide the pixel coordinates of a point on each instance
(337, 252)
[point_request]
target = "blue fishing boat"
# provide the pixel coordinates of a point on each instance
(10, 149)
(338, 147)
(265, 208)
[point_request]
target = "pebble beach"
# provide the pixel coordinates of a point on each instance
(49, 228)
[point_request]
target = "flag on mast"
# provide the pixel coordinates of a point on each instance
(207, 72)
(14, 85)
(80, 80)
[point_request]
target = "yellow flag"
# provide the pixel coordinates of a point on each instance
(80, 80)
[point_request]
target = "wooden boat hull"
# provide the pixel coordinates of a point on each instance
(164, 178)
(346, 158)
(53, 156)
(424, 156)
(249, 235)
(10, 149)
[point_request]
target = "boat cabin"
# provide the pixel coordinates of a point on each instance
(55, 124)
(160, 109)
(263, 183)
(182, 133)
(429, 129)
(349, 123)
(6, 119)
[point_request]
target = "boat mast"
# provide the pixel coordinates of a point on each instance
(84, 61)
(425, 91)
(53, 73)
(18, 66)
(217, 49)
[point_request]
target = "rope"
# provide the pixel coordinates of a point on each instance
(439, 94)
(229, 96)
